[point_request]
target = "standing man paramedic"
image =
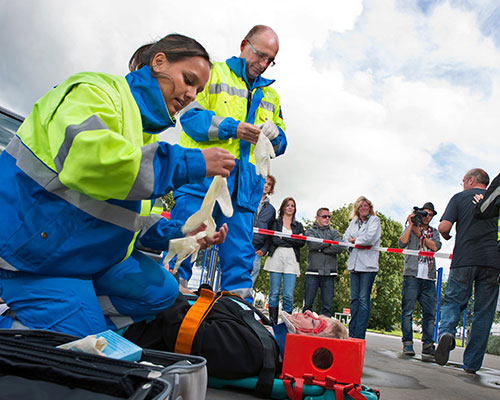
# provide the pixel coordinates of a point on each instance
(230, 113)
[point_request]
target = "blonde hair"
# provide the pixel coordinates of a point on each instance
(357, 204)
(334, 329)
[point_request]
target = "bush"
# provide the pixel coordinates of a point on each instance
(493, 345)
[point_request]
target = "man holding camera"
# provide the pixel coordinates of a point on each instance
(419, 276)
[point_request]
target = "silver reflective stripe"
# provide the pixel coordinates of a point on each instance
(244, 292)
(48, 179)
(152, 219)
(217, 88)
(492, 197)
(119, 320)
(5, 265)
(267, 106)
(145, 180)
(94, 123)
(193, 104)
(30, 164)
(213, 131)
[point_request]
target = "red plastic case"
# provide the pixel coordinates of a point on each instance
(320, 357)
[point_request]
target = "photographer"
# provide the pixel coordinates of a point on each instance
(419, 277)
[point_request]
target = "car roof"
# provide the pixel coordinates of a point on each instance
(9, 123)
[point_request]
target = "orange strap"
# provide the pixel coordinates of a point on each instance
(193, 320)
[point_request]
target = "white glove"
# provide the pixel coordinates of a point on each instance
(183, 248)
(269, 129)
(263, 152)
(219, 192)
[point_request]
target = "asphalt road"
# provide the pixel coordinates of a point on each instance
(400, 378)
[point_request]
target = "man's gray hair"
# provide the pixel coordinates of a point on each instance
(257, 30)
(479, 175)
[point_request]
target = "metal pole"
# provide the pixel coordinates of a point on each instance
(439, 284)
(215, 275)
(463, 328)
(213, 265)
(203, 267)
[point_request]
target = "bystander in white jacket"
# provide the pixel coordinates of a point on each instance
(366, 234)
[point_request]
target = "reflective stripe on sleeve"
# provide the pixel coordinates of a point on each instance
(145, 180)
(94, 123)
(492, 197)
(213, 131)
(48, 179)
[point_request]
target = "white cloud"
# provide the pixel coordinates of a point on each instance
(372, 94)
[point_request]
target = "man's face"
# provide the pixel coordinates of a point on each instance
(268, 185)
(265, 47)
(468, 182)
(427, 220)
(323, 218)
(307, 323)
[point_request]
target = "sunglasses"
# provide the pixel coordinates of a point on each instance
(324, 216)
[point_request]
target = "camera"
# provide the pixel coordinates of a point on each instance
(418, 214)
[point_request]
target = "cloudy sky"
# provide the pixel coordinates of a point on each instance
(391, 99)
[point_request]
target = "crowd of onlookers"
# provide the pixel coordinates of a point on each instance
(475, 264)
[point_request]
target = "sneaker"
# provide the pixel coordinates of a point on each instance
(408, 349)
(428, 350)
(469, 371)
(445, 345)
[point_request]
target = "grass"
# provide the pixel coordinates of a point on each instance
(395, 333)
(458, 342)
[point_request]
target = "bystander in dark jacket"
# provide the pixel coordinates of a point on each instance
(321, 263)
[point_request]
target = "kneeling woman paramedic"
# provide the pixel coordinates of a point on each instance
(78, 182)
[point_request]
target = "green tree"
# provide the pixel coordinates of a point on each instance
(386, 294)
(168, 201)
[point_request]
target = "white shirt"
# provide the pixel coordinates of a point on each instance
(283, 260)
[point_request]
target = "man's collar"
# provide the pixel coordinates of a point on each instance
(238, 66)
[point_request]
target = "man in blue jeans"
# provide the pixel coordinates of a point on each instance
(419, 276)
(321, 263)
(476, 262)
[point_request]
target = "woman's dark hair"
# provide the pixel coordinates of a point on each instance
(285, 201)
(176, 47)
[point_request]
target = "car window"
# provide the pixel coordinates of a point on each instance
(9, 123)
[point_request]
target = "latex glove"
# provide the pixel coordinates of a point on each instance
(219, 192)
(269, 129)
(90, 344)
(183, 248)
(263, 152)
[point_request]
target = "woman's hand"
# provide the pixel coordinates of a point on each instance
(217, 238)
(218, 161)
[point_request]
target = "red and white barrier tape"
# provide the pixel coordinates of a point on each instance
(357, 246)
